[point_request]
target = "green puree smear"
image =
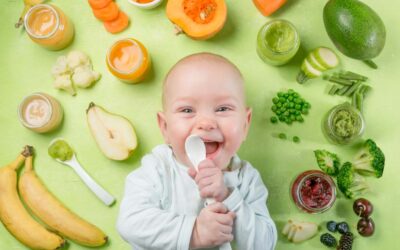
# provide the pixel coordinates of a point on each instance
(346, 123)
(280, 37)
(60, 150)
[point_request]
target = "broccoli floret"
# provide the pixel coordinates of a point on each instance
(370, 160)
(350, 182)
(327, 162)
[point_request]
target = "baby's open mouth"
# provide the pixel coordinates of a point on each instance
(211, 147)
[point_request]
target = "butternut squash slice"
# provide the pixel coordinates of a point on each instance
(198, 19)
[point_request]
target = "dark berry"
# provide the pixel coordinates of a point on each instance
(331, 226)
(343, 227)
(328, 240)
(346, 241)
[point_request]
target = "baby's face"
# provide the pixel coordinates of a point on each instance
(206, 99)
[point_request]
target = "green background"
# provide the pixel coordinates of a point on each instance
(25, 68)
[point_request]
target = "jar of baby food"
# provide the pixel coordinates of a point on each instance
(48, 26)
(277, 42)
(313, 191)
(343, 124)
(40, 112)
(128, 60)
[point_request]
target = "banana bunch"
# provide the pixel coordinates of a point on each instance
(44, 206)
(27, 5)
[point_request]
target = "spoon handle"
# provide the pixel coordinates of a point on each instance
(100, 192)
(225, 246)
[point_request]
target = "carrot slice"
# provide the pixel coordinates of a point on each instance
(108, 13)
(118, 24)
(98, 4)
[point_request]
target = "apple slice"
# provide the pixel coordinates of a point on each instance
(305, 231)
(113, 133)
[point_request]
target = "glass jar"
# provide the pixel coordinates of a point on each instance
(128, 60)
(49, 27)
(277, 42)
(313, 191)
(343, 124)
(40, 112)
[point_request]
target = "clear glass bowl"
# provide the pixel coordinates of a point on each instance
(313, 191)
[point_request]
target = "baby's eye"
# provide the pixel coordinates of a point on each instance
(223, 109)
(187, 110)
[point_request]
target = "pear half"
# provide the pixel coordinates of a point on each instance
(114, 134)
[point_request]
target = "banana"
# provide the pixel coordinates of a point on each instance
(27, 5)
(53, 213)
(15, 217)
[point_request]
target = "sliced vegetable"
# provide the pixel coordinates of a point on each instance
(343, 90)
(352, 89)
(340, 81)
(267, 7)
(326, 57)
(313, 61)
(98, 4)
(317, 61)
(327, 161)
(117, 25)
(108, 13)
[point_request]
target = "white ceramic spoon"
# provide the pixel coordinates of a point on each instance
(100, 192)
(196, 151)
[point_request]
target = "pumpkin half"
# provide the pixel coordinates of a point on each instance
(199, 19)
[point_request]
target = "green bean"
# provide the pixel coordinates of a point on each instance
(353, 88)
(334, 89)
(342, 90)
(340, 81)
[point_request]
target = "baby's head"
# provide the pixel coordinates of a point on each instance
(203, 94)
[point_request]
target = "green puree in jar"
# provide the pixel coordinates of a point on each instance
(280, 37)
(60, 150)
(344, 124)
(277, 42)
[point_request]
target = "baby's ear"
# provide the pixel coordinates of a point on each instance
(249, 114)
(162, 124)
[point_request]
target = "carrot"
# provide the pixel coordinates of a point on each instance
(118, 24)
(267, 7)
(108, 13)
(98, 4)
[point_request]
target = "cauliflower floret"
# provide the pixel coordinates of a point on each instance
(64, 82)
(60, 67)
(77, 58)
(83, 76)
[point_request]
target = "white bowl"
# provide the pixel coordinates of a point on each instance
(149, 5)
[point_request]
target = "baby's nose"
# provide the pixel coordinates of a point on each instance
(206, 123)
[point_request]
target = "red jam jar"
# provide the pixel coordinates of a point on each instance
(313, 191)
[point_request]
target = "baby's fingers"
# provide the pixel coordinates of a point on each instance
(192, 172)
(225, 219)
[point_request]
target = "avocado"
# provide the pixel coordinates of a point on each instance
(355, 29)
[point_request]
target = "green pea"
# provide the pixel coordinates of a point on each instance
(291, 104)
(296, 139)
(282, 136)
(304, 111)
(274, 119)
(280, 94)
(297, 106)
(274, 108)
(275, 100)
(279, 104)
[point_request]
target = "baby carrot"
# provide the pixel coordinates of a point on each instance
(267, 7)
(108, 13)
(117, 25)
(98, 4)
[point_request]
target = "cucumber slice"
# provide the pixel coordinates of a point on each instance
(309, 70)
(326, 57)
(313, 61)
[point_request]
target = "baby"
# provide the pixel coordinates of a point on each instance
(164, 202)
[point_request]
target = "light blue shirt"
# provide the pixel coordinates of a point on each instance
(161, 203)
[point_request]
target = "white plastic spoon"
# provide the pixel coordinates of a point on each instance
(196, 151)
(100, 192)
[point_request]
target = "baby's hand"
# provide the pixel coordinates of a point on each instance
(213, 227)
(210, 180)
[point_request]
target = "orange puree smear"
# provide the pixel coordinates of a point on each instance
(126, 56)
(42, 22)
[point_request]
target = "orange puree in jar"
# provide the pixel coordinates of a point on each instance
(128, 60)
(144, 1)
(48, 26)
